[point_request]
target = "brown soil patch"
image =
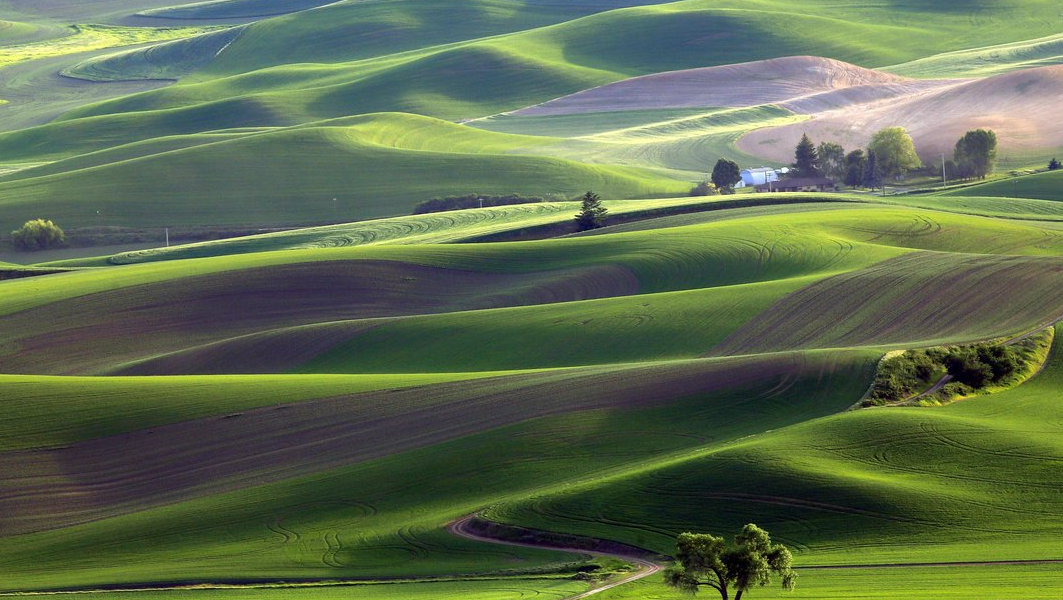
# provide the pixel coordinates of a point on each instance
(1021, 107)
(795, 80)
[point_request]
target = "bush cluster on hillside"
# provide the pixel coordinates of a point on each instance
(38, 234)
(471, 201)
(972, 368)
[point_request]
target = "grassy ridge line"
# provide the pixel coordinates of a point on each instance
(1042, 186)
(919, 299)
(61, 335)
(411, 496)
(41, 411)
(91, 481)
(759, 248)
(338, 163)
(506, 72)
(642, 328)
(231, 9)
(488, 224)
(986, 61)
(168, 60)
(435, 228)
(86, 37)
(861, 484)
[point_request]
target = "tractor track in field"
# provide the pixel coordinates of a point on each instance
(646, 568)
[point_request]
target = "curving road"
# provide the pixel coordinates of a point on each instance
(645, 567)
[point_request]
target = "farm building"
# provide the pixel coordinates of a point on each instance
(798, 184)
(761, 175)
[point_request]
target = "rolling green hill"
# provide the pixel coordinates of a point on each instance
(304, 413)
(1043, 186)
(342, 170)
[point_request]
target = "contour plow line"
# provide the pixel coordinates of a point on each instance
(645, 567)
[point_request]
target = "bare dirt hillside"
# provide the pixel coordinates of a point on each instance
(802, 83)
(1021, 107)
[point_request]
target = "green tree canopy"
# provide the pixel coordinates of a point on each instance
(725, 175)
(872, 175)
(38, 234)
(806, 159)
(708, 561)
(894, 152)
(855, 164)
(591, 214)
(976, 153)
(832, 160)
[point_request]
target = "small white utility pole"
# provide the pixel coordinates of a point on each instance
(167, 237)
(944, 181)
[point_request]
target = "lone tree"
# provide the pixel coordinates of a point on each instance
(855, 164)
(38, 234)
(707, 561)
(591, 213)
(806, 159)
(725, 175)
(1053, 165)
(976, 153)
(832, 160)
(894, 152)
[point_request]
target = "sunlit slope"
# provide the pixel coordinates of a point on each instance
(922, 299)
(168, 60)
(340, 171)
(986, 61)
(59, 327)
(970, 481)
(753, 283)
(42, 412)
(642, 328)
(230, 9)
(492, 223)
(522, 68)
(431, 228)
(384, 516)
(1044, 186)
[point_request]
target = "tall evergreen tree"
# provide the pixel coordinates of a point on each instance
(591, 214)
(806, 159)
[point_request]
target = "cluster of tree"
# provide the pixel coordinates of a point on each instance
(38, 234)
(707, 561)
(982, 365)
(1053, 165)
(471, 201)
(975, 155)
(971, 368)
(591, 214)
(889, 154)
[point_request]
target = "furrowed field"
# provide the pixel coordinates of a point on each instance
(311, 398)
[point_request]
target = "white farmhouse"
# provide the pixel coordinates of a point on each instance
(762, 175)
